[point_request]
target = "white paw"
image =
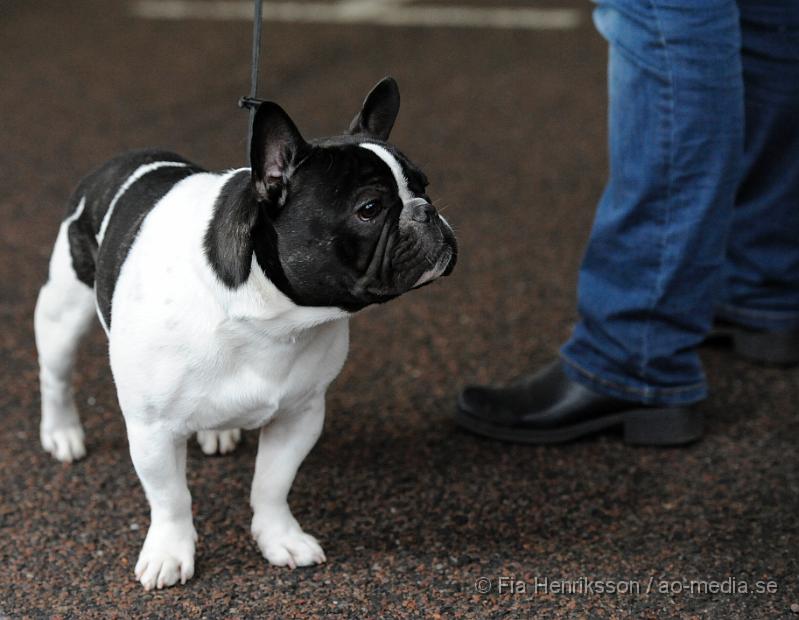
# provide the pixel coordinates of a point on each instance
(166, 557)
(65, 444)
(218, 442)
(290, 548)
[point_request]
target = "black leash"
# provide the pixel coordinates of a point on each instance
(252, 102)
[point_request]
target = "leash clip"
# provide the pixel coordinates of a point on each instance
(251, 103)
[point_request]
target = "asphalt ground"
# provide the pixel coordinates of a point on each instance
(510, 127)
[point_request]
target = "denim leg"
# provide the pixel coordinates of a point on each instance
(761, 276)
(651, 275)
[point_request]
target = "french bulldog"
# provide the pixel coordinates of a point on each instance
(226, 298)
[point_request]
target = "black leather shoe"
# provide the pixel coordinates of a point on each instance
(550, 408)
(774, 348)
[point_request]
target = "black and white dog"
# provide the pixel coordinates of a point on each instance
(226, 298)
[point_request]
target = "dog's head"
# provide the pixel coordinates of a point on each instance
(344, 221)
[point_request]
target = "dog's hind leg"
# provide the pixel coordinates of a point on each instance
(219, 442)
(63, 314)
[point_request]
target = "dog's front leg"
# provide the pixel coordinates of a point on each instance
(282, 446)
(159, 457)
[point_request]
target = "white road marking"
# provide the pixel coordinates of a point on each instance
(376, 12)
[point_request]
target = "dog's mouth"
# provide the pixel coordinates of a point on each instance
(443, 266)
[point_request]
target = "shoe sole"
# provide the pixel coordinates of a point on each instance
(646, 427)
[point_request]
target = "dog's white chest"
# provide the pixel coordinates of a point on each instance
(256, 375)
(231, 376)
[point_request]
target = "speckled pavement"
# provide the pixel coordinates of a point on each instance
(413, 513)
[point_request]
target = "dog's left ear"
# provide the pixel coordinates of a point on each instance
(274, 150)
(379, 111)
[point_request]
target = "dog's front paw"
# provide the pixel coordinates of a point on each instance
(166, 557)
(65, 444)
(291, 547)
(218, 442)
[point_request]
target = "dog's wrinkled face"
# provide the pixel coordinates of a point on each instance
(352, 221)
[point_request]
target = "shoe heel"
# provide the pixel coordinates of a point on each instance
(663, 427)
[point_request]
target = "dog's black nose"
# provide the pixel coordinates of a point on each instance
(423, 213)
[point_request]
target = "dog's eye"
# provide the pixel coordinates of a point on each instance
(368, 211)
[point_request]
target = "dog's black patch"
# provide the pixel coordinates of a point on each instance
(123, 227)
(229, 240)
(96, 191)
(82, 243)
(240, 226)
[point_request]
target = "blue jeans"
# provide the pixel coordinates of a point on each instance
(700, 216)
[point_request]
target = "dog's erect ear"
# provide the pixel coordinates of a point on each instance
(276, 143)
(379, 111)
